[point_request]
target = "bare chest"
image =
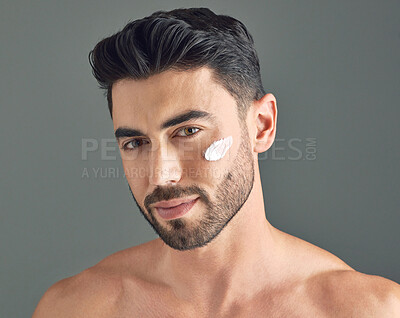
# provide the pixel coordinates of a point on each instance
(162, 303)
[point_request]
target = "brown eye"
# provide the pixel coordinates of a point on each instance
(133, 144)
(188, 131)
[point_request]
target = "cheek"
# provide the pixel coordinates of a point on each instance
(207, 166)
(137, 181)
(218, 149)
(135, 174)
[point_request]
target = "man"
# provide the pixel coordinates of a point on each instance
(190, 115)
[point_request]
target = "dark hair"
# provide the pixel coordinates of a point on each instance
(182, 39)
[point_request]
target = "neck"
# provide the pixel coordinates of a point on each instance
(234, 264)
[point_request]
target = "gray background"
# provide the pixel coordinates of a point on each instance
(333, 67)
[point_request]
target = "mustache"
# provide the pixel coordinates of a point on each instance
(174, 192)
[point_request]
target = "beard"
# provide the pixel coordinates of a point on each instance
(232, 192)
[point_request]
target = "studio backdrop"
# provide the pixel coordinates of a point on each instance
(330, 178)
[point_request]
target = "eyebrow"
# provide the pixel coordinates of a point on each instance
(123, 132)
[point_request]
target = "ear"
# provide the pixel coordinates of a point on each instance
(265, 116)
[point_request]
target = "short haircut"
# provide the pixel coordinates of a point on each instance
(182, 39)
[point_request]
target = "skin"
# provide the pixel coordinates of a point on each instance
(217, 149)
(243, 267)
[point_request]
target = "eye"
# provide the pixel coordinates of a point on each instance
(188, 131)
(133, 144)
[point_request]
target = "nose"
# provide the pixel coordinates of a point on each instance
(164, 166)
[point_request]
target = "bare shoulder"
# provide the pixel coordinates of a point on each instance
(87, 294)
(348, 293)
(334, 289)
(96, 291)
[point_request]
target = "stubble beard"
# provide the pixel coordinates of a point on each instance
(233, 191)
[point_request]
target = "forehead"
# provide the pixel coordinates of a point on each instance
(150, 101)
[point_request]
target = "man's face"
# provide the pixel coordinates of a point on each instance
(164, 158)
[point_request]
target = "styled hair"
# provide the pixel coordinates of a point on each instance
(182, 39)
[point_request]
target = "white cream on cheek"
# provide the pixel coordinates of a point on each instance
(218, 149)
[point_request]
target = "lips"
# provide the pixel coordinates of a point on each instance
(174, 209)
(172, 203)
